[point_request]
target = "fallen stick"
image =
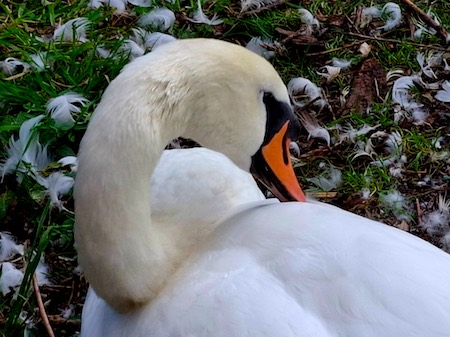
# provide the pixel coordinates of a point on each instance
(375, 38)
(419, 213)
(42, 311)
(428, 20)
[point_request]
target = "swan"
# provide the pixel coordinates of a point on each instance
(183, 183)
(268, 268)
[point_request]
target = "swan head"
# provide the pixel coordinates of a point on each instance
(231, 101)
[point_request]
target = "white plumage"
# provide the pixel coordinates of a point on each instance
(25, 153)
(74, 29)
(200, 17)
(197, 187)
(444, 94)
(161, 18)
(269, 269)
(193, 188)
(291, 270)
(307, 92)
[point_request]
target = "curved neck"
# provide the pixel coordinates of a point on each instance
(123, 257)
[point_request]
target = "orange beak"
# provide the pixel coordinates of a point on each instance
(274, 168)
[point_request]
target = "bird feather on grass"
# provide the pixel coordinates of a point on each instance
(131, 49)
(330, 73)
(341, 63)
(313, 127)
(10, 279)
(248, 5)
(70, 161)
(302, 91)
(157, 39)
(391, 11)
(350, 134)
(258, 46)
(40, 61)
(150, 40)
(72, 30)
(63, 107)
(201, 18)
(9, 247)
(25, 154)
(425, 65)
(437, 222)
(444, 94)
(57, 185)
(393, 201)
(329, 180)
(406, 106)
(160, 18)
(394, 16)
(12, 66)
(311, 23)
(118, 5)
(141, 3)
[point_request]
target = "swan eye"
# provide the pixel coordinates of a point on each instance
(277, 114)
(267, 96)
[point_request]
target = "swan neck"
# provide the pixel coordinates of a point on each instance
(120, 250)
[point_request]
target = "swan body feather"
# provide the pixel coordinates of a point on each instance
(296, 269)
(194, 189)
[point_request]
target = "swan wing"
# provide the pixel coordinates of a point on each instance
(297, 269)
(198, 185)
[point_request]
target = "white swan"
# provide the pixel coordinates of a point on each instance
(289, 269)
(165, 94)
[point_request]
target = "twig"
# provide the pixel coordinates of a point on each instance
(365, 38)
(291, 36)
(42, 308)
(411, 26)
(419, 213)
(71, 293)
(58, 320)
(307, 105)
(324, 195)
(428, 20)
(13, 77)
(324, 52)
(396, 41)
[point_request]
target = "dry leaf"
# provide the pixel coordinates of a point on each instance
(364, 49)
(329, 72)
(403, 225)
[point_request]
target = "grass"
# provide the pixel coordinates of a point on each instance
(25, 210)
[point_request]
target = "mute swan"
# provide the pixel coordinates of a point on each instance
(168, 93)
(274, 269)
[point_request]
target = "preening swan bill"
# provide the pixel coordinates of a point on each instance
(265, 269)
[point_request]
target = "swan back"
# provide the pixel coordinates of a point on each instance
(198, 185)
(192, 190)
